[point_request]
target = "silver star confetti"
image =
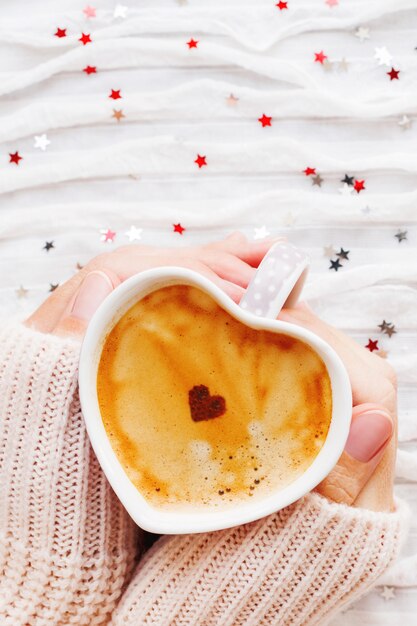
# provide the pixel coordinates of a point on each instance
(401, 235)
(21, 292)
(362, 33)
(388, 593)
(405, 122)
(232, 100)
(343, 65)
(317, 180)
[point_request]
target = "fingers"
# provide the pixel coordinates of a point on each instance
(251, 252)
(95, 287)
(370, 432)
(231, 268)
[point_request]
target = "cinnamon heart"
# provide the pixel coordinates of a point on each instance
(204, 406)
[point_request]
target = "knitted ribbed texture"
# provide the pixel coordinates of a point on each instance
(296, 567)
(67, 546)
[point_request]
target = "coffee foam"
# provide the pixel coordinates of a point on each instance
(276, 388)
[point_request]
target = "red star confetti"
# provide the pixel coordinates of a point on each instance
(200, 160)
(282, 5)
(265, 120)
(115, 94)
(309, 171)
(107, 235)
(15, 157)
(372, 345)
(85, 39)
(61, 32)
(89, 11)
(393, 74)
(178, 228)
(332, 3)
(359, 185)
(90, 69)
(192, 43)
(320, 57)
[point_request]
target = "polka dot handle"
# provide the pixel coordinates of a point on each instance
(277, 281)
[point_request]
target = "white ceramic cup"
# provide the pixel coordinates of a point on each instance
(278, 280)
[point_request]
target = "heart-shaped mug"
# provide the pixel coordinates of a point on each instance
(277, 281)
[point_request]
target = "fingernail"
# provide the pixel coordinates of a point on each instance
(94, 288)
(369, 433)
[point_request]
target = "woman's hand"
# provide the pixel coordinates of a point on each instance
(364, 475)
(230, 263)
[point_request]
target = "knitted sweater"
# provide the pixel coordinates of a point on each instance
(69, 553)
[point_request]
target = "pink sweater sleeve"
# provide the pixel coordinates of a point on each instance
(67, 546)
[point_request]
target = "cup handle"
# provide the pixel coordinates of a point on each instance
(278, 281)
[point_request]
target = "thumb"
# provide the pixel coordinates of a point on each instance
(370, 431)
(96, 286)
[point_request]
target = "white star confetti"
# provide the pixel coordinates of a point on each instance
(134, 234)
(362, 33)
(261, 233)
(405, 122)
(329, 251)
(388, 593)
(41, 141)
(120, 11)
(21, 292)
(383, 56)
(346, 190)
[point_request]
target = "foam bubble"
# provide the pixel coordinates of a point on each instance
(255, 428)
(200, 449)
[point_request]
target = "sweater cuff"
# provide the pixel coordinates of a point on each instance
(296, 567)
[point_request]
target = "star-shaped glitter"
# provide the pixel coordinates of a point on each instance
(48, 245)
(317, 180)
(200, 160)
(372, 345)
(60, 33)
(265, 120)
(343, 254)
(383, 56)
(89, 11)
(232, 100)
(359, 185)
(384, 325)
(346, 190)
(393, 74)
(320, 57)
(120, 11)
(289, 219)
(22, 292)
(85, 39)
(282, 5)
(328, 65)
(134, 234)
(15, 157)
(335, 265)
(328, 251)
(118, 114)
(261, 233)
(332, 3)
(343, 65)
(115, 94)
(107, 235)
(41, 142)
(401, 235)
(90, 69)
(309, 171)
(405, 122)
(53, 286)
(389, 329)
(362, 33)
(192, 43)
(388, 593)
(178, 228)
(348, 180)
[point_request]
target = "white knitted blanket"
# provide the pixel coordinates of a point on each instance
(99, 173)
